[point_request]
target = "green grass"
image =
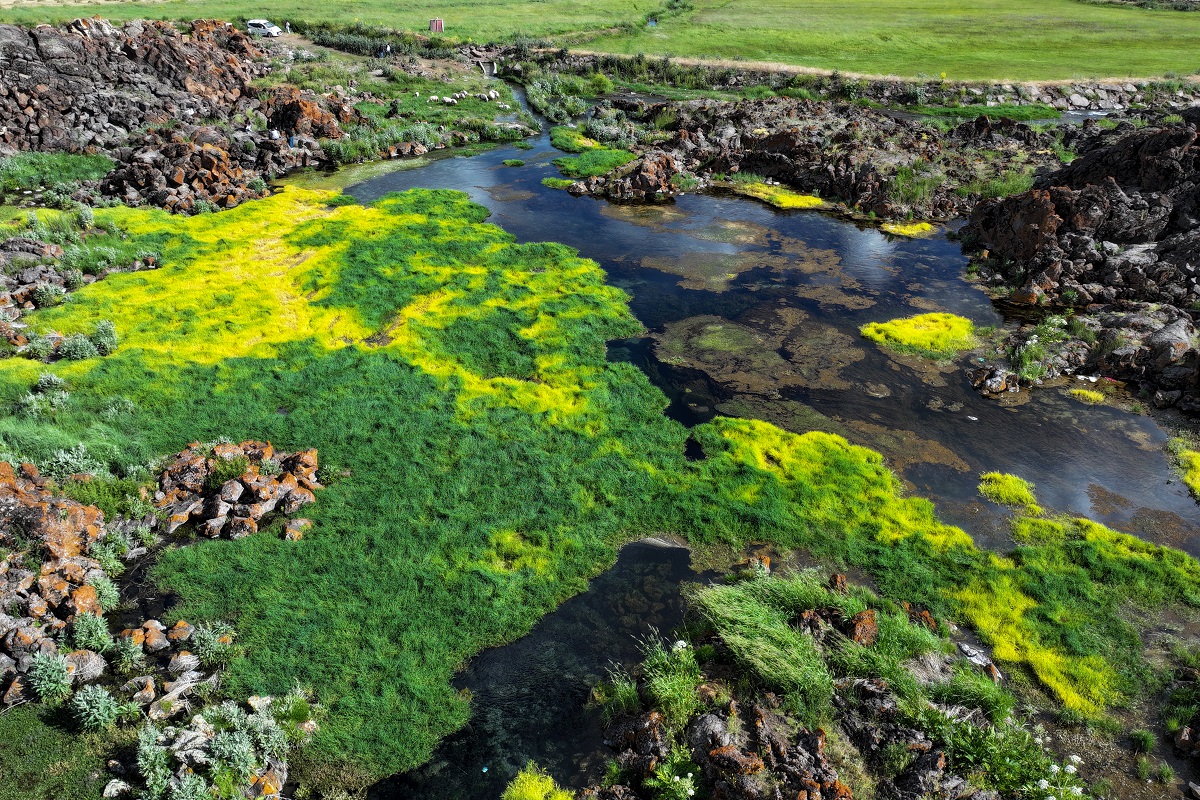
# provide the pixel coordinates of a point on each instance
(557, 183)
(487, 460)
(1009, 490)
(35, 170)
(42, 761)
(591, 163)
(1022, 113)
(937, 335)
(1010, 39)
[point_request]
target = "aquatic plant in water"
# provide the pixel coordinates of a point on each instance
(938, 335)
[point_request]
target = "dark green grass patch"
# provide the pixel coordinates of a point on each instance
(593, 163)
(35, 170)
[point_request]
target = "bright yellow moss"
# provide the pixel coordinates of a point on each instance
(996, 608)
(1089, 396)
(938, 335)
(1189, 461)
(532, 783)
(779, 196)
(1009, 490)
(826, 460)
(911, 230)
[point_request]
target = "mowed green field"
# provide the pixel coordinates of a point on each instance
(479, 21)
(1006, 39)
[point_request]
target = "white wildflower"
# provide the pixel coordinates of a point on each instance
(1055, 769)
(1043, 784)
(1074, 759)
(1070, 770)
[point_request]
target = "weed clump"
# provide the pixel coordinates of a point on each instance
(1009, 490)
(936, 336)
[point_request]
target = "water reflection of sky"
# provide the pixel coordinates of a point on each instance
(1067, 450)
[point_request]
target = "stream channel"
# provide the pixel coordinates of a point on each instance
(754, 312)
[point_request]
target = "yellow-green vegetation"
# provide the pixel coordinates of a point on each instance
(571, 140)
(911, 230)
(593, 159)
(484, 459)
(1009, 490)
(778, 196)
(532, 783)
(1089, 396)
(938, 335)
(557, 183)
(1188, 463)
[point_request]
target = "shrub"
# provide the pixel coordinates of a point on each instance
(77, 347)
(49, 382)
(47, 295)
(75, 461)
(73, 279)
(127, 655)
(225, 470)
(233, 754)
(93, 708)
(39, 348)
(513, 162)
(617, 696)
(1143, 740)
(107, 593)
(50, 678)
(153, 762)
(213, 644)
(294, 712)
(191, 787)
(90, 632)
(104, 338)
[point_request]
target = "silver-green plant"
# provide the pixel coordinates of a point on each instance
(50, 678)
(93, 708)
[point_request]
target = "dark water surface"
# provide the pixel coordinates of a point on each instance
(756, 312)
(529, 696)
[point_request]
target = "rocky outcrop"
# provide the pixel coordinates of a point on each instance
(230, 489)
(1120, 223)
(874, 162)
(139, 92)
(647, 178)
(90, 83)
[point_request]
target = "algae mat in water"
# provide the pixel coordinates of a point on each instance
(491, 461)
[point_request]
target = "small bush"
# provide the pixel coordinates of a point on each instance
(937, 336)
(107, 593)
(1143, 740)
(104, 338)
(50, 678)
(617, 696)
(90, 632)
(93, 708)
(1143, 767)
(48, 295)
(213, 644)
(225, 470)
(513, 162)
(532, 783)
(77, 347)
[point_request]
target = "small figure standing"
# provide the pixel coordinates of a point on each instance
(388, 50)
(287, 27)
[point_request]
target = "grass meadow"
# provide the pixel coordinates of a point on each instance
(484, 460)
(1007, 39)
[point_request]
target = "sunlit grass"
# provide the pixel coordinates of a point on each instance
(936, 336)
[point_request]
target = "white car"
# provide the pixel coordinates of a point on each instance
(262, 27)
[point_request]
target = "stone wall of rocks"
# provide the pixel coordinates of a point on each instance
(1070, 96)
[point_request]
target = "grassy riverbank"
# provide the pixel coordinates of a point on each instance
(1010, 39)
(485, 459)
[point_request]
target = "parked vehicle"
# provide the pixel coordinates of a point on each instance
(262, 27)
